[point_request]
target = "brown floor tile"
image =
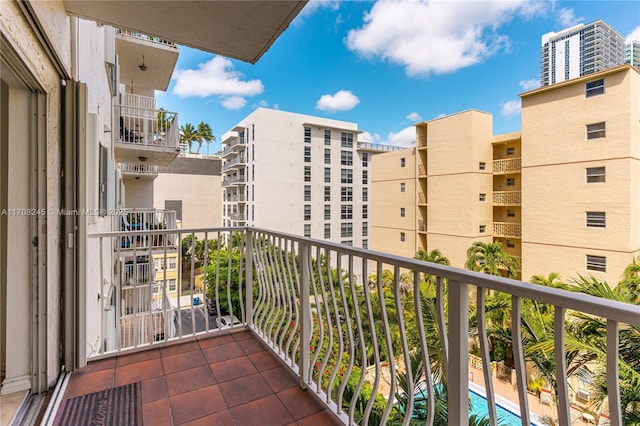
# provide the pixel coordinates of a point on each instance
(242, 334)
(215, 340)
(154, 389)
(139, 371)
(232, 369)
(300, 403)
(264, 411)
(323, 418)
(137, 357)
(253, 345)
(245, 389)
(183, 361)
(222, 418)
(188, 380)
(223, 352)
(264, 360)
(84, 383)
(157, 413)
(280, 378)
(199, 403)
(101, 364)
(179, 348)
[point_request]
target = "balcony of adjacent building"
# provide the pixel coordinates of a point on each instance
(507, 230)
(234, 144)
(422, 198)
(507, 198)
(235, 180)
(279, 341)
(144, 133)
(138, 171)
(236, 197)
(507, 166)
(377, 148)
(233, 163)
(146, 230)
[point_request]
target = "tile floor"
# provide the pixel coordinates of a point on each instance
(226, 379)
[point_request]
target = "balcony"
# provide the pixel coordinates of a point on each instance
(138, 171)
(305, 313)
(138, 225)
(236, 198)
(507, 198)
(145, 134)
(422, 226)
(422, 198)
(234, 163)
(422, 171)
(238, 217)
(234, 180)
(233, 146)
(507, 230)
(376, 147)
(511, 165)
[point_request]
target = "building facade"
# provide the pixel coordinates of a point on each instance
(632, 53)
(580, 50)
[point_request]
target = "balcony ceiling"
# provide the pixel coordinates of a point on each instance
(159, 60)
(242, 30)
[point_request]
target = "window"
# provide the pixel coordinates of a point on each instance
(403, 162)
(307, 173)
(596, 263)
(307, 154)
(253, 172)
(365, 212)
(482, 229)
(511, 181)
(346, 193)
(402, 186)
(365, 177)
(346, 211)
(346, 229)
(307, 212)
(307, 230)
(327, 212)
(173, 263)
(327, 174)
(307, 192)
(346, 140)
(253, 152)
(511, 150)
(596, 130)
(511, 244)
(307, 134)
(365, 159)
(327, 193)
(482, 197)
(511, 213)
(596, 219)
(365, 195)
(402, 237)
(365, 229)
(347, 242)
(365, 244)
(327, 137)
(594, 88)
(346, 158)
(596, 174)
(327, 156)
(346, 175)
(402, 212)
(172, 284)
(253, 132)
(327, 230)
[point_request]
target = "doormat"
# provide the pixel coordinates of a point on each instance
(117, 406)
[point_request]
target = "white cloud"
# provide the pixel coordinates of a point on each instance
(369, 137)
(567, 17)
(215, 77)
(405, 137)
(436, 36)
(414, 116)
(633, 35)
(233, 102)
(527, 85)
(511, 108)
(313, 6)
(342, 100)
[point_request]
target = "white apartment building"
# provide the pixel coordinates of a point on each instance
(580, 50)
(299, 174)
(632, 53)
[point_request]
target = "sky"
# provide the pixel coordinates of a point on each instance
(386, 65)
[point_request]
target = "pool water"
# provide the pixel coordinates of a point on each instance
(479, 407)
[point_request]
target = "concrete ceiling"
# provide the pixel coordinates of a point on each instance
(240, 29)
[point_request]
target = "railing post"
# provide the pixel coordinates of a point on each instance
(248, 286)
(458, 362)
(305, 313)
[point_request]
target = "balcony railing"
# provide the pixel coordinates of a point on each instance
(236, 198)
(231, 180)
(231, 146)
(142, 126)
(506, 229)
(239, 160)
(130, 220)
(507, 198)
(134, 272)
(422, 226)
(511, 165)
(422, 198)
(141, 36)
(238, 216)
(325, 310)
(367, 146)
(139, 169)
(422, 171)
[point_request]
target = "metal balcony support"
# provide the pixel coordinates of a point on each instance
(248, 290)
(305, 315)
(458, 362)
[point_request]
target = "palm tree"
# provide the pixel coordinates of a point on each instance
(434, 256)
(490, 258)
(631, 278)
(188, 134)
(204, 134)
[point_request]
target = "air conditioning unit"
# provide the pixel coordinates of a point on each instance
(583, 395)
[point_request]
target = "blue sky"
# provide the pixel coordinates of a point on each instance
(386, 65)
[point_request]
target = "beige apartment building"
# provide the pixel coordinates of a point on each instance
(562, 194)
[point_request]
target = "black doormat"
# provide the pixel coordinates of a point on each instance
(117, 406)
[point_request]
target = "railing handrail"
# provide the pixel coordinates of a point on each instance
(613, 310)
(141, 36)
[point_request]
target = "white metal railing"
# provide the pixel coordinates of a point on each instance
(506, 229)
(139, 169)
(367, 146)
(510, 165)
(146, 127)
(143, 219)
(328, 312)
(236, 197)
(134, 272)
(141, 36)
(233, 179)
(238, 216)
(230, 146)
(239, 160)
(507, 198)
